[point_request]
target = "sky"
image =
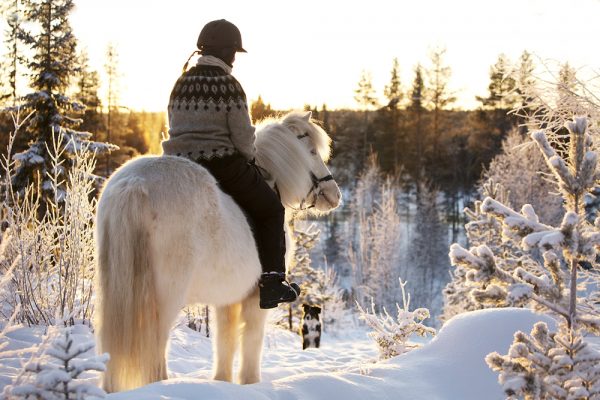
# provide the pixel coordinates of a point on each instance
(313, 51)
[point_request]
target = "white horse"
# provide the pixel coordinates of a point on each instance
(167, 236)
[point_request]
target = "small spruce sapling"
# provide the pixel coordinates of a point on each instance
(57, 375)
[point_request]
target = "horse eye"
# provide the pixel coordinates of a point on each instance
(313, 152)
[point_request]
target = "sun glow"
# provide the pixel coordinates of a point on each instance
(313, 52)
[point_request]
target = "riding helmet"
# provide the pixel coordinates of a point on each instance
(220, 33)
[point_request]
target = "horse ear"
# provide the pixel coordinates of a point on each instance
(307, 116)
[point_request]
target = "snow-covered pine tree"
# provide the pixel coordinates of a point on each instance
(393, 335)
(57, 374)
(53, 45)
(428, 259)
(547, 283)
(544, 366)
(481, 229)
(548, 366)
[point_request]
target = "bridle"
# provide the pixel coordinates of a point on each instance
(314, 192)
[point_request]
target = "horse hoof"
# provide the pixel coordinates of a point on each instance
(249, 380)
(222, 377)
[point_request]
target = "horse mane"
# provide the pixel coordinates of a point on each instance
(285, 157)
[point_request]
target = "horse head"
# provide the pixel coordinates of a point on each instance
(294, 152)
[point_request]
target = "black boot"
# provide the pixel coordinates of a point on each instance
(274, 289)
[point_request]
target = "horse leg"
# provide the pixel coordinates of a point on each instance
(253, 319)
(226, 340)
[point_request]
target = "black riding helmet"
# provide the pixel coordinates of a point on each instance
(218, 38)
(220, 34)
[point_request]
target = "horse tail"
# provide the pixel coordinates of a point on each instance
(128, 318)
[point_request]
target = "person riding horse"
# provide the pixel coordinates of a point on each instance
(210, 124)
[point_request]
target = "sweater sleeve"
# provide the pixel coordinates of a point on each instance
(240, 127)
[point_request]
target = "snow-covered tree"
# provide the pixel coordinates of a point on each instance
(460, 294)
(522, 171)
(552, 284)
(428, 265)
(554, 98)
(374, 238)
(393, 335)
(53, 45)
(57, 374)
(548, 365)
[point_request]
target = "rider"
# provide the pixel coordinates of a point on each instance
(209, 124)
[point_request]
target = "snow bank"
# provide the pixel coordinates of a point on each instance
(450, 367)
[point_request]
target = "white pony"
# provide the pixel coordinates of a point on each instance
(167, 236)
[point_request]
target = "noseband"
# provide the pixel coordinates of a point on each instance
(314, 190)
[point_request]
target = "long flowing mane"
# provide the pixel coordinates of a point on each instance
(287, 159)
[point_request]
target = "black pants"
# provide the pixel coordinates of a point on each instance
(247, 187)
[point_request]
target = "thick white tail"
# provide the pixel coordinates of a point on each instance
(128, 315)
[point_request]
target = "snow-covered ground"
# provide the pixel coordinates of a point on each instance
(449, 367)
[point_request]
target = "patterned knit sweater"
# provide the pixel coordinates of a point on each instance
(208, 114)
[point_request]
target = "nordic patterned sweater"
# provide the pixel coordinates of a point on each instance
(208, 114)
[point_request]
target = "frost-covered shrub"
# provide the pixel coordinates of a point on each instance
(57, 373)
(545, 365)
(48, 246)
(393, 335)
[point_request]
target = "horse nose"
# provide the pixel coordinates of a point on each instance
(338, 194)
